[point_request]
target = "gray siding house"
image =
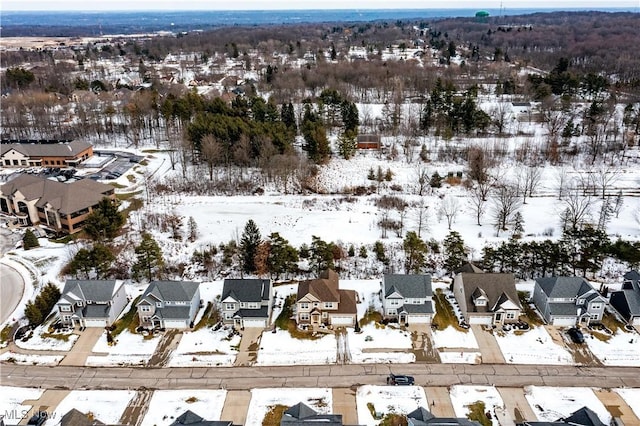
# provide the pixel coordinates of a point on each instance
(407, 298)
(487, 298)
(567, 301)
(302, 414)
(627, 300)
(169, 304)
(246, 303)
(91, 303)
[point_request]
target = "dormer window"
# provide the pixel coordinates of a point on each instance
(89, 302)
(580, 301)
(158, 304)
(480, 302)
(79, 303)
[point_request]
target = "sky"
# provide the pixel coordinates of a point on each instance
(309, 4)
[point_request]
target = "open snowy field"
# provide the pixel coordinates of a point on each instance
(130, 349)
(462, 396)
(280, 348)
(380, 344)
(104, 405)
(166, 405)
(387, 399)
(206, 348)
(552, 403)
(320, 399)
(533, 346)
(622, 348)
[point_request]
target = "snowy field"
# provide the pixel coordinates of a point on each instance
(622, 348)
(551, 403)
(453, 346)
(130, 349)
(206, 348)
(31, 359)
(388, 399)
(462, 396)
(104, 405)
(166, 405)
(632, 398)
(11, 401)
(281, 349)
(368, 294)
(320, 399)
(39, 343)
(380, 344)
(534, 346)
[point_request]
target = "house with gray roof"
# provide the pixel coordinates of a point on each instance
(169, 304)
(45, 154)
(192, 419)
(91, 303)
(487, 298)
(302, 414)
(582, 417)
(76, 417)
(422, 417)
(407, 298)
(627, 300)
(246, 302)
(568, 301)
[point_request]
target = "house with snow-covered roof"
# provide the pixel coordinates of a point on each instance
(487, 298)
(567, 301)
(627, 300)
(246, 302)
(169, 304)
(407, 298)
(91, 303)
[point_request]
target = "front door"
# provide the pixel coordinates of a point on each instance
(403, 318)
(497, 319)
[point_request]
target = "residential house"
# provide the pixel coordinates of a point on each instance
(75, 417)
(582, 417)
(247, 303)
(407, 298)
(62, 207)
(192, 419)
(44, 154)
(627, 300)
(302, 414)
(567, 301)
(321, 302)
(487, 298)
(169, 304)
(91, 303)
(422, 417)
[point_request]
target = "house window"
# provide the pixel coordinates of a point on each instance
(511, 315)
(145, 319)
(228, 315)
(392, 312)
(79, 303)
(328, 305)
(594, 316)
(89, 302)
(316, 304)
(304, 317)
(158, 304)
(242, 305)
(145, 308)
(304, 305)
(324, 315)
(596, 306)
(253, 305)
(66, 318)
(65, 308)
(480, 302)
(394, 302)
(229, 306)
(580, 301)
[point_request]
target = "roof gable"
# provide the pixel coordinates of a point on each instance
(408, 286)
(496, 287)
(246, 290)
(171, 291)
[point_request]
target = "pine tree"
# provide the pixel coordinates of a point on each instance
(347, 145)
(414, 251)
(30, 240)
(249, 246)
(454, 251)
(283, 258)
(378, 249)
(105, 220)
(193, 229)
(321, 254)
(363, 252)
(518, 225)
(149, 259)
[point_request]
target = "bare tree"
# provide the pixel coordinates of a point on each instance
(562, 181)
(478, 201)
(576, 209)
(211, 152)
(528, 180)
(506, 202)
(421, 174)
(604, 177)
(421, 216)
(449, 208)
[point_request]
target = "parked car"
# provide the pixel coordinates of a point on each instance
(38, 419)
(575, 335)
(400, 380)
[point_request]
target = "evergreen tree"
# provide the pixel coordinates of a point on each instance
(321, 254)
(149, 259)
(363, 252)
(518, 225)
(249, 246)
(288, 117)
(193, 229)
(454, 251)
(29, 240)
(283, 258)
(347, 145)
(105, 220)
(415, 251)
(436, 180)
(350, 117)
(378, 249)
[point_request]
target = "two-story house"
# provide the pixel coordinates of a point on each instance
(246, 303)
(567, 301)
(321, 302)
(169, 304)
(91, 303)
(487, 298)
(407, 298)
(627, 300)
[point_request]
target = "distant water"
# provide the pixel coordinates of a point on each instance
(130, 22)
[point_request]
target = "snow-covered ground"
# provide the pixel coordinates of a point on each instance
(320, 399)
(632, 398)
(31, 359)
(453, 346)
(104, 405)
(462, 396)
(11, 401)
(533, 346)
(551, 403)
(622, 348)
(205, 348)
(388, 399)
(130, 349)
(281, 349)
(369, 345)
(39, 343)
(166, 405)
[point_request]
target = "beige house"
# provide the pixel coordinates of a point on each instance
(62, 207)
(62, 154)
(321, 303)
(487, 298)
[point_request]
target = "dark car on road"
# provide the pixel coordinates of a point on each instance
(400, 380)
(575, 335)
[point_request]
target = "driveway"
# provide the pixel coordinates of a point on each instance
(439, 401)
(491, 353)
(236, 405)
(516, 404)
(617, 406)
(249, 345)
(422, 343)
(48, 402)
(83, 346)
(344, 402)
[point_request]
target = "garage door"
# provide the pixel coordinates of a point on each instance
(262, 323)
(95, 323)
(564, 321)
(175, 324)
(338, 320)
(480, 320)
(419, 319)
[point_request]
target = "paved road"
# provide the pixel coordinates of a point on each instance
(11, 289)
(328, 376)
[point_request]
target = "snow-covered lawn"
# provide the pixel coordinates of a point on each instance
(452, 346)
(104, 405)
(11, 401)
(31, 359)
(166, 405)
(462, 396)
(632, 398)
(206, 347)
(280, 293)
(281, 349)
(388, 399)
(533, 346)
(320, 399)
(378, 338)
(130, 349)
(368, 293)
(551, 403)
(39, 343)
(622, 348)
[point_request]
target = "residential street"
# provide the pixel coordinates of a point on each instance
(11, 289)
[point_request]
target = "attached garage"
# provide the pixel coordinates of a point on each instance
(343, 320)
(559, 321)
(419, 319)
(481, 320)
(635, 321)
(100, 322)
(175, 323)
(254, 322)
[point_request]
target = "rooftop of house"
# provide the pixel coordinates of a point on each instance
(250, 290)
(75, 417)
(499, 289)
(409, 286)
(192, 419)
(62, 149)
(83, 290)
(170, 291)
(324, 288)
(301, 414)
(564, 287)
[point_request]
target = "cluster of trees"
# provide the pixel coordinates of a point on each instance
(36, 311)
